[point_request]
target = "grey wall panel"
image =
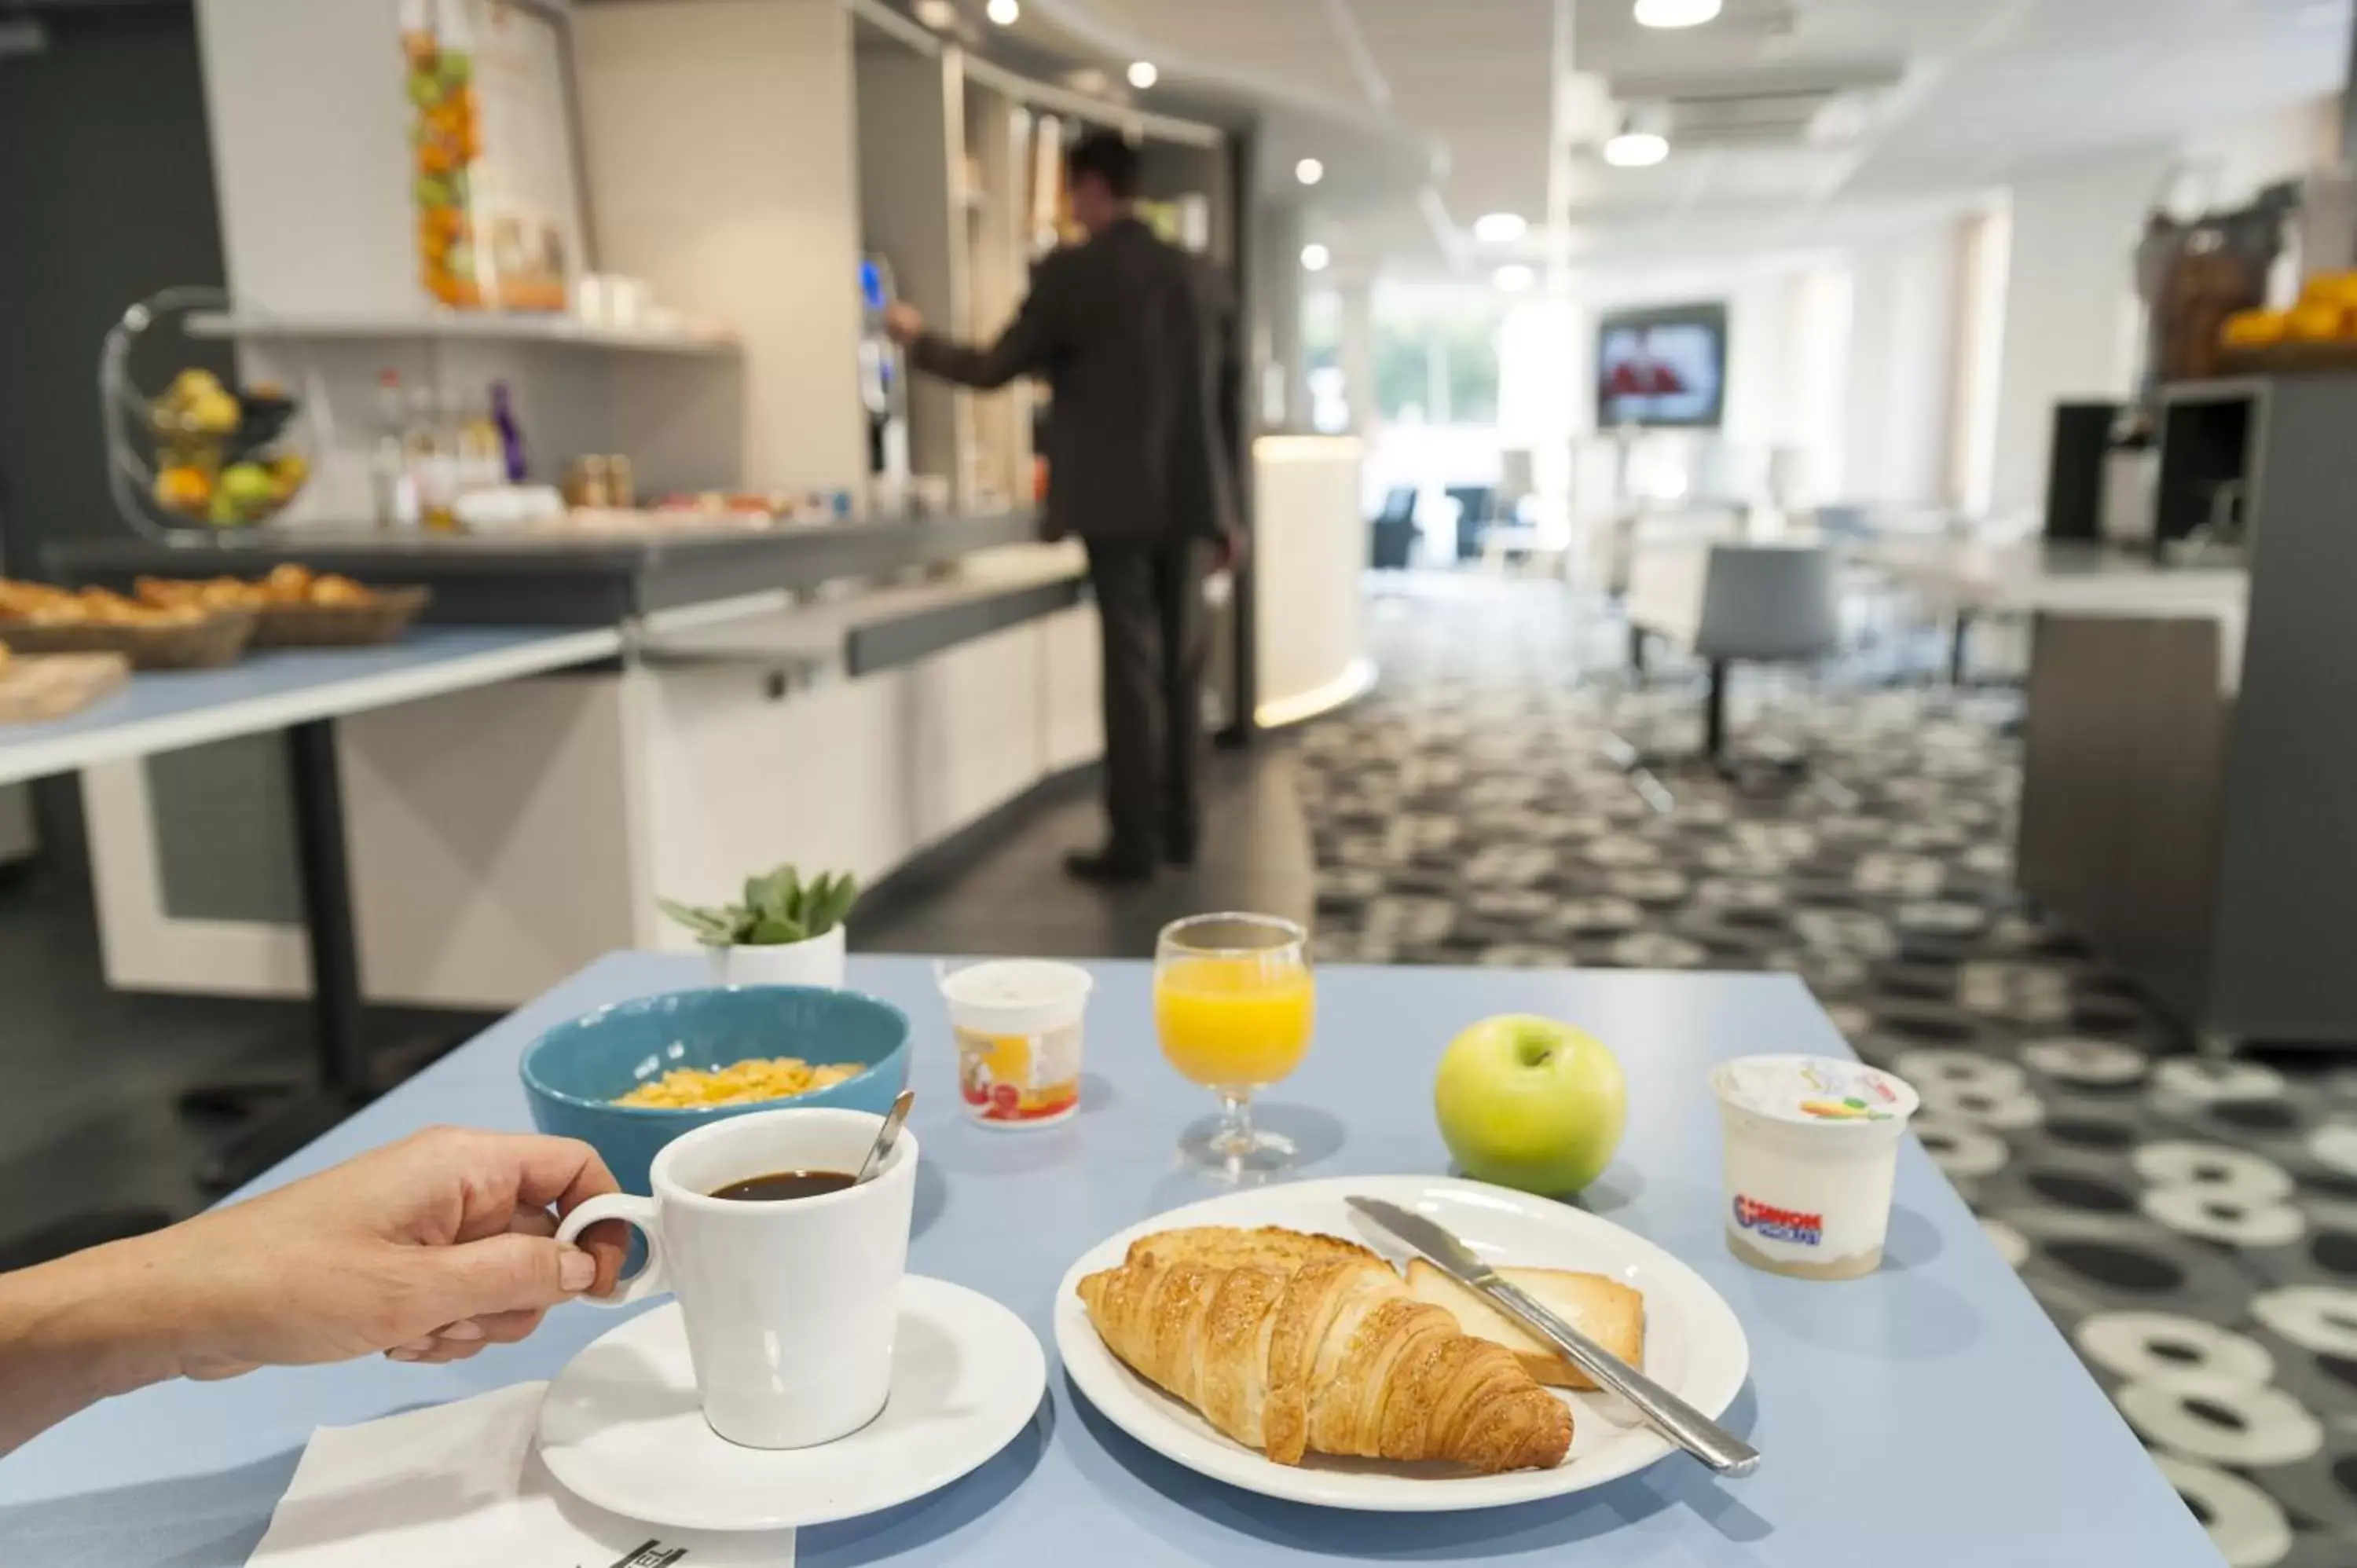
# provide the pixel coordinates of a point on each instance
(223, 844)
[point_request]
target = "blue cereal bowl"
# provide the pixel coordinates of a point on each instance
(574, 1073)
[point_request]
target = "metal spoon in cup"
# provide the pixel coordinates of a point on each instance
(886, 1136)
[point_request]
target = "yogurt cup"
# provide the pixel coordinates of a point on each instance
(1812, 1146)
(1018, 1024)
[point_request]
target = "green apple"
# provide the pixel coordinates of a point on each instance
(1531, 1103)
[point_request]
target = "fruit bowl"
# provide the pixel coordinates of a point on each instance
(202, 454)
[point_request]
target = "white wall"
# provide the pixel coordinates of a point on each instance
(2227, 166)
(721, 170)
(2069, 327)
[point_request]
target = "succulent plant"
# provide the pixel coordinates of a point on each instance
(780, 907)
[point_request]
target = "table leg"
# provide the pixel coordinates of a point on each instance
(1637, 650)
(1714, 714)
(1960, 648)
(325, 872)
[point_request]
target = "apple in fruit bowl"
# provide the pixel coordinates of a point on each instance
(1530, 1103)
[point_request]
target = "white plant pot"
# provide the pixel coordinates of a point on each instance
(818, 961)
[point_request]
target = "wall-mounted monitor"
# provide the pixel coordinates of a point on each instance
(1664, 366)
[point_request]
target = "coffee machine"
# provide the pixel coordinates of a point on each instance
(883, 392)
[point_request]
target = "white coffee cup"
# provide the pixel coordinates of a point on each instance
(790, 1305)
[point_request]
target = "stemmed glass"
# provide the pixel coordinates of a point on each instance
(1233, 1002)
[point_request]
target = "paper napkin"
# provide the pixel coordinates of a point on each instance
(461, 1485)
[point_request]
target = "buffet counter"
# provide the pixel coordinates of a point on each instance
(562, 578)
(841, 696)
(1309, 555)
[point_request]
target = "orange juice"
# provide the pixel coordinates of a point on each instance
(1234, 1022)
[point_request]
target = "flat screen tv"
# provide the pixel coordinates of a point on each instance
(1664, 367)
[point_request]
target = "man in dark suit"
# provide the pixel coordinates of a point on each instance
(1131, 334)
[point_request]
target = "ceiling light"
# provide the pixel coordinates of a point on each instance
(1143, 74)
(1316, 258)
(1003, 12)
(938, 14)
(1515, 278)
(1501, 228)
(1636, 149)
(1677, 13)
(1309, 171)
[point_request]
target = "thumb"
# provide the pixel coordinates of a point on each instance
(510, 1273)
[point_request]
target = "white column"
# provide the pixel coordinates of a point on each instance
(1280, 390)
(2070, 305)
(1357, 356)
(1900, 401)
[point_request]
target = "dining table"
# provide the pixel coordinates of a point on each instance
(1929, 1413)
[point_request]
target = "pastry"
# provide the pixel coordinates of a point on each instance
(1332, 1357)
(1605, 1310)
(1226, 1247)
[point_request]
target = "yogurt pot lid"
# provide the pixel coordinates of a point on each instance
(1815, 1091)
(1012, 982)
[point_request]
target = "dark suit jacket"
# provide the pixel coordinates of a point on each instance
(1133, 334)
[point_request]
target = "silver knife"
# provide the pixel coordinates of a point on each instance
(1664, 1411)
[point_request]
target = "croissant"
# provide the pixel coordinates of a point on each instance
(1228, 1247)
(1334, 1357)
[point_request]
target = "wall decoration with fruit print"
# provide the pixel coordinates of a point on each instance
(445, 142)
(496, 162)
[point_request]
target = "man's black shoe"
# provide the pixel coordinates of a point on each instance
(1107, 868)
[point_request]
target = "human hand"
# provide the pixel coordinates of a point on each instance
(903, 322)
(427, 1250)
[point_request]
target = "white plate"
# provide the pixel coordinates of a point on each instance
(1693, 1346)
(621, 1426)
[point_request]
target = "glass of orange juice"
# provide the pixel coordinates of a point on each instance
(1233, 1002)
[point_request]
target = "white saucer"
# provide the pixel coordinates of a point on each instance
(621, 1426)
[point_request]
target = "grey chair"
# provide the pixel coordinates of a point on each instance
(1763, 604)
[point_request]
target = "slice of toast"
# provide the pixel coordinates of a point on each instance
(1605, 1310)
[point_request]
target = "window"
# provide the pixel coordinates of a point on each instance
(1436, 355)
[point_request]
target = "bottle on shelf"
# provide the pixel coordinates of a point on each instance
(392, 490)
(512, 453)
(482, 465)
(433, 461)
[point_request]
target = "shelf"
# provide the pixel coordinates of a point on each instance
(490, 326)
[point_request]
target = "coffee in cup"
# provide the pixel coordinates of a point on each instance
(788, 1275)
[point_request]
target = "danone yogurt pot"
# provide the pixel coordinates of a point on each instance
(1812, 1145)
(1017, 1023)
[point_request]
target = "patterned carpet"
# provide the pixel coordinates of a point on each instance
(2192, 1226)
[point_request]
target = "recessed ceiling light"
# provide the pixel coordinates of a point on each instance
(1316, 258)
(1677, 13)
(1515, 278)
(937, 15)
(1309, 171)
(1636, 149)
(1003, 12)
(1501, 228)
(1143, 74)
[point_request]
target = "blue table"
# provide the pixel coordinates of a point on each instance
(301, 692)
(1929, 1415)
